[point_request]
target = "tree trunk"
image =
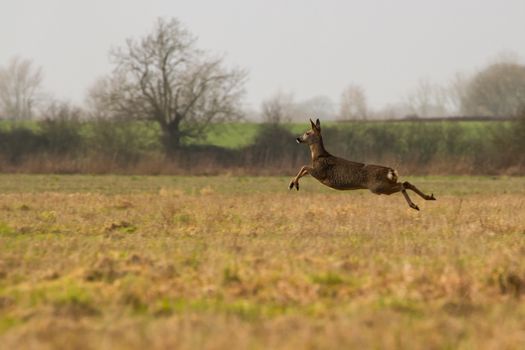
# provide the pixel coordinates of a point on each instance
(171, 138)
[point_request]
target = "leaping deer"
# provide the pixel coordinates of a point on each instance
(342, 174)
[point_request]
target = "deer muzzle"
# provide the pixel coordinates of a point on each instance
(298, 140)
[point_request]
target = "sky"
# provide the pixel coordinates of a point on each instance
(307, 48)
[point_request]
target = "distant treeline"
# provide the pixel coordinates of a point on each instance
(414, 147)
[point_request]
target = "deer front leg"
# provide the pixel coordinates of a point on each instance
(295, 181)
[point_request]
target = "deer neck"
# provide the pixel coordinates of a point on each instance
(317, 150)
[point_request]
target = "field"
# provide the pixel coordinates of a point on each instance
(115, 262)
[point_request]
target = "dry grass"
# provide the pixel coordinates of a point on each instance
(227, 262)
(209, 164)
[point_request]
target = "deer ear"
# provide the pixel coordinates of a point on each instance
(313, 124)
(318, 125)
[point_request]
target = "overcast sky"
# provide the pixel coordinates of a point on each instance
(305, 47)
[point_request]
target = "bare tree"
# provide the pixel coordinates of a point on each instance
(353, 103)
(428, 99)
(62, 110)
(498, 90)
(163, 77)
(391, 111)
(20, 84)
(278, 109)
(318, 106)
(456, 93)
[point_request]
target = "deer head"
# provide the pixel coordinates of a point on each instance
(311, 136)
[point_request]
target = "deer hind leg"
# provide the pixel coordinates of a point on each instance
(409, 201)
(398, 187)
(295, 181)
(411, 187)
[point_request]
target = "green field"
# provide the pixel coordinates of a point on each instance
(115, 262)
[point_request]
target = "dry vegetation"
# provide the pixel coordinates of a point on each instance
(230, 262)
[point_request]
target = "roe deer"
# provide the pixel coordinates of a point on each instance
(342, 174)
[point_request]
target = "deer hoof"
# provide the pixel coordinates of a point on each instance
(413, 206)
(431, 197)
(293, 184)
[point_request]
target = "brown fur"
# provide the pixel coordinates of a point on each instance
(342, 174)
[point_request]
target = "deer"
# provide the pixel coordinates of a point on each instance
(342, 174)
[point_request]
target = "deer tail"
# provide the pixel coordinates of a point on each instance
(392, 175)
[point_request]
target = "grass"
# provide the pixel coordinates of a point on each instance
(115, 262)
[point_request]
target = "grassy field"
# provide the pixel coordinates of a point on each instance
(109, 262)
